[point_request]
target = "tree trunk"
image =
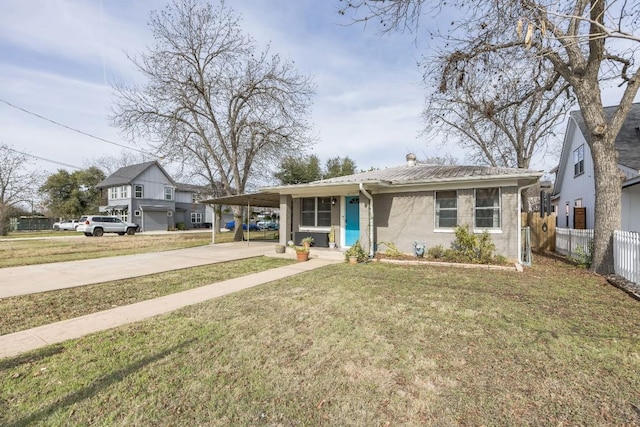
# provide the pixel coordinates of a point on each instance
(608, 192)
(237, 217)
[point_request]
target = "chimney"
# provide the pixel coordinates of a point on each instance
(411, 159)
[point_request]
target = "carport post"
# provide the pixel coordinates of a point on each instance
(213, 226)
(248, 220)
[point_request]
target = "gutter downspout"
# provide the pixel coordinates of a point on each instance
(370, 197)
(520, 218)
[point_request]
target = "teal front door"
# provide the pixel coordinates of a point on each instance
(352, 220)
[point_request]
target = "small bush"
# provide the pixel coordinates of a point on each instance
(472, 248)
(436, 252)
(392, 250)
(181, 226)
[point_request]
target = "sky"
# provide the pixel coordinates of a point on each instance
(60, 59)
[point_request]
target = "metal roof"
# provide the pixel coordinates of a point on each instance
(259, 199)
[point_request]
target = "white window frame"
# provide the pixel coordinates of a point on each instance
(437, 209)
(125, 192)
(578, 161)
(113, 193)
(135, 191)
(197, 216)
(495, 208)
(168, 193)
(316, 211)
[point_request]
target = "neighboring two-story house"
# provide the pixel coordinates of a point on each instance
(147, 195)
(574, 190)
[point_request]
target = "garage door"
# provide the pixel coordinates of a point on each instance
(155, 221)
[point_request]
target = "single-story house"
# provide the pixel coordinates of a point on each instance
(402, 205)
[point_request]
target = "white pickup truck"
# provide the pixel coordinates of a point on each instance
(66, 225)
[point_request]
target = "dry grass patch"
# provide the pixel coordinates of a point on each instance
(372, 344)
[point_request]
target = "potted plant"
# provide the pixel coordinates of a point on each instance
(355, 253)
(302, 252)
(332, 238)
(307, 241)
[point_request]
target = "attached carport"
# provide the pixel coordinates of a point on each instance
(257, 200)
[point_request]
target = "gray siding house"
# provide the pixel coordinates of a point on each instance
(146, 195)
(402, 205)
(575, 184)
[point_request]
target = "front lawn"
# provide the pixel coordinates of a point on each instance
(371, 344)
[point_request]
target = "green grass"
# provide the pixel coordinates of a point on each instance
(28, 311)
(40, 251)
(372, 344)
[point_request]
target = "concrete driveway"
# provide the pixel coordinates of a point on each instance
(47, 277)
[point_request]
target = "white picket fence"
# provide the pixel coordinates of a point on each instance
(573, 243)
(626, 255)
(626, 249)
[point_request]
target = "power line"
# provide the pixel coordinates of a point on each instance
(43, 159)
(71, 128)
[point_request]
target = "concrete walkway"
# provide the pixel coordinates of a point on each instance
(23, 341)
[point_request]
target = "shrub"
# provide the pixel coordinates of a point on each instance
(392, 250)
(436, 252)
(181, 226)
(472, 248)
(465, 243)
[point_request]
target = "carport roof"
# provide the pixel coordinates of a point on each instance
(259, 199)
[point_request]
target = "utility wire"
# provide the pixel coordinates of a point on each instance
(43, 159)
(71, 128)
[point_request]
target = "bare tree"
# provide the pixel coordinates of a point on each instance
(501, 115)
(110, 164)
(587, 43)
(18, 185)
(212, 100)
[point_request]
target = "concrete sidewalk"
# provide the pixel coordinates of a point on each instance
(23, 341)
(47, 277)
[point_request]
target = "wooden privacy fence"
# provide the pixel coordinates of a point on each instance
(626, 255)
(543, 230)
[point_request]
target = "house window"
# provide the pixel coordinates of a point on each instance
(138, 191)
(168, 193)
(316, 212)
(446, 209)
(487, 208)
(137, 213)
(196, 217)
(578, 160)
(125, 192)
(113, 193)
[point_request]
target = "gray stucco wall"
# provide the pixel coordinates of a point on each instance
(405, 218)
